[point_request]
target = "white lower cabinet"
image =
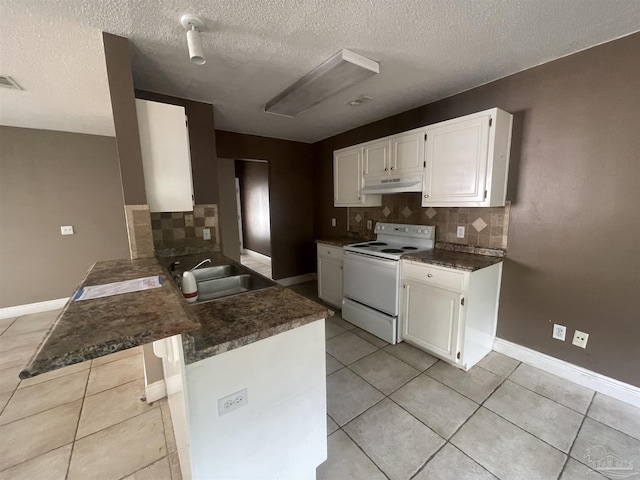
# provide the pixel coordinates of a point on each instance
(330, 274)
(450, 313)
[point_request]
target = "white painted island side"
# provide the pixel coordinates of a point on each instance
(278, 428)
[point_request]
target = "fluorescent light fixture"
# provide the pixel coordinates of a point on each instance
(343, 70)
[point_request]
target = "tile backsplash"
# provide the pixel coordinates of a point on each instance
(170, 231)
(484, 226)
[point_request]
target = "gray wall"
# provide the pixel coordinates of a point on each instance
(575, 186)
(254, 204)
(49, 179)
(228, 209)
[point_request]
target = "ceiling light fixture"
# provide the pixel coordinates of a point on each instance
(194, 26)
(359, 101)
(341, 71)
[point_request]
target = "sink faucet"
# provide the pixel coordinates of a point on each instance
(208, 260)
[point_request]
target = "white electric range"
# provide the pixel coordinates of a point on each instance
(371, 275)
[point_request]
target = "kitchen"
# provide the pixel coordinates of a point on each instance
(538, 284)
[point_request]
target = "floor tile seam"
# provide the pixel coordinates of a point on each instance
(420, 421)
(351, 332)
(531, 390)
(584, 417)
(478, 463)
(7, 404)
(419, 369)
(41, 411)
(361, 413)
(361, 449)
(494, 373)
(373, 386)
(164, 434)
(612, 428)
(75, 434)
(428, 460)
(39, 455)
(415, 376)
(140, 469)
(51, 379)
(44, 330)
(115, 386)
(117, 423)
(459, 393)
(8, 326)
(367, 355)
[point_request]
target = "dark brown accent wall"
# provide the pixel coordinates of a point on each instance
(49, 179)
(118, 58)
(202, 142)
(291, 185)
(254, 202)
(574, 185)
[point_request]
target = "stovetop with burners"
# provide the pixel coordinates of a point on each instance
(394, 240)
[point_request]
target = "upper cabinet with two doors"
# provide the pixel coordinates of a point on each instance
(463, 162)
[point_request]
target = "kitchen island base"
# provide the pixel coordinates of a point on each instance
(280, 432)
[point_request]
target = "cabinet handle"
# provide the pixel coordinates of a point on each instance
(429, 275)
(426, 196)
(386, 169)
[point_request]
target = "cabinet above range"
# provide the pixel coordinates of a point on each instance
(461, 162)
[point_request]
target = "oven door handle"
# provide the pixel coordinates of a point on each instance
(369, 258)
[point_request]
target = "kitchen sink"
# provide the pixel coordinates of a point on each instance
(224, 280)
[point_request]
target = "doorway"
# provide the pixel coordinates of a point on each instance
(254, 216)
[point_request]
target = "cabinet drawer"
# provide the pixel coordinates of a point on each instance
(330, 252)
(436, 276)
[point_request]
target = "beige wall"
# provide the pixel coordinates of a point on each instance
(49, 179)
(574, 184)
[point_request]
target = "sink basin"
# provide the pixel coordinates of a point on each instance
(233, 285)
(225, 280)
(220, 271)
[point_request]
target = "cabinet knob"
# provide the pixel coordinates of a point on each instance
(404, 286)
(429, 275)
(386, 169)
(391, 168)
(426, 196)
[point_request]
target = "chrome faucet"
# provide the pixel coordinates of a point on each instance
(208, 260)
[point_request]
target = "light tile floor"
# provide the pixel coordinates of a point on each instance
(86, 421)
(394, 412)
(398, 413)
(263, 267)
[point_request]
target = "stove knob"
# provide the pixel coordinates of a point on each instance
(382, 227)
(406, 229)
(419, 230)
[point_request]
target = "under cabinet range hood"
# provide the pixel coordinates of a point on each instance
(399, 184)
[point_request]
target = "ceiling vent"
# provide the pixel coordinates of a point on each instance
(359, 101)
(343, 70)
(8, 82)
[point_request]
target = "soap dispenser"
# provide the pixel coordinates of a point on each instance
(189, 287)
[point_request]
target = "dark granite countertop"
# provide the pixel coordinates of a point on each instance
(89, 329)
(92, 328)
(458, 260)
(231, 322)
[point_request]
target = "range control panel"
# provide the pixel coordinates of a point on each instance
(405, 230)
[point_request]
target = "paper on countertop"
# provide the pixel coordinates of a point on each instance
(116, 288)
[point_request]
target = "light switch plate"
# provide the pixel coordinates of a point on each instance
(206, 233)
(333, 222)
(67, 230)
(369, 225)
(460, 232)
(559, 332)
(188, 220)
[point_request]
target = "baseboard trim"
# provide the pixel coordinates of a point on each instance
(595, 381)
(155, 391)
(29, 308)
(257, 255)
(287, 282)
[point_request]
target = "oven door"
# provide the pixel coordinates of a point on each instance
(372, 281)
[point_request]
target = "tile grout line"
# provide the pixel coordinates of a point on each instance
(361, 449)
(75, 434)
(584, 417)
(39, 455)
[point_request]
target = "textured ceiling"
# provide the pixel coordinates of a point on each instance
(427, 49)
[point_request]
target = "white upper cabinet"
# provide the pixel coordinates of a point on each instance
(407, 152)
(377, 158)
(348, 179)
(467, 161)
(166, 159)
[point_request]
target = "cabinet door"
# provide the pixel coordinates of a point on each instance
(376, 158)
(347, 177)
(456, 158)
(330, 281)
(431, 318)
(166, 160)
(407, 152)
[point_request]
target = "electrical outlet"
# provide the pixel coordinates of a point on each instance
(369, 225)
(333, 222)
(232, 402)
(206, 234)
(188, 220)
(67, 230)
(460, 232)
(580, 339)
(559, 332)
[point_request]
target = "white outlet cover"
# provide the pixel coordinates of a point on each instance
(559, 332)
(206, 234)
(232, 402)
(460, 232)
(580, 339)
(67, 230)
(333, 222)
